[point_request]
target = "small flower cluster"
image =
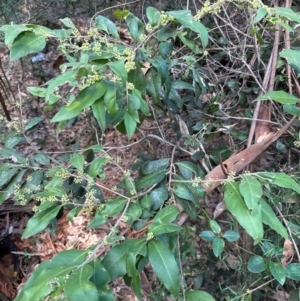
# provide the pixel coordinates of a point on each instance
(197, 181)
(129, 58)
(165, 19)
(297, 143)
(62, 173)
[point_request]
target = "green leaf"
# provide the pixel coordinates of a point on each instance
(292, 109)
(107, 25)
(287, 13)
(260, 14)
(292, 57)
(95, 167)
(118, 67)
(130, 125)
(281, 180)
(158, 228)
(78, 287)
(8, 189)
(182, 191)
(165, 49)
(37, 286)
(151, 179)
(185, 18)
(154, 166)
(292, 271)
(42, 159)
(153, 15)
(167, 214)
(26, 42)
(279, 96)
(115, 260)
(77, 161)
(13, 155)
(67, 22)
(164, 265)
(40, 221)
(6, 174)
(189, 169)
(99, 112)
(214, 226)
(12, 31)
(100, 276)
(256, 264)
(135, 27)
(85, 99)
(277, 272)
(11, 140)
(218, 245)
(198, 295)
(158, 197)
(114, 206)
(32, 122)
(251, 190)
(191, 43)
(110, 101)
(133, 212)
(207, 235)
(231, 236)
(252, 223)
(134, 274)
(269, 218)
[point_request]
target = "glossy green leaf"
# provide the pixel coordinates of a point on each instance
(37, 286)
(11, 140)
(132, 272)
(146, 202)
(292, 271)
(164, 265)
(185, 18)
(135, 27)
(231, 236)
(269, 218)
(7, 190)
(251, 222)
(158, 228)
(26, 43)
(85, 99)
(182, 191)
(190, 43)
(115, 260)
(277, 272)
(150, 179)
(251, 190)
(99, 111)
(95, 168)
(130, 125)
(256, 264)
(281, 180)
(288, 13)
(214, 226)
(218, 245)
(166, 33)
(32, 122)
(107, 25)
(100, 276)
(167, 214)
(165, 49)
(207, 235)
(198, 295)
(110, 101)
(281, 97)
(292, 56)
(40, 221)
(118, 67)
(78, 287)
(133, 212)
(292, 109)
(77, 161)
(156, 165)
(188, 169)
(42, 159)
(260, 14)
(158, 197)
(12, 31)
(153, 15)
(6, 174)
(114, 206)
(12, 154)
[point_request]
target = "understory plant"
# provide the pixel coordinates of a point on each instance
(112, 83)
